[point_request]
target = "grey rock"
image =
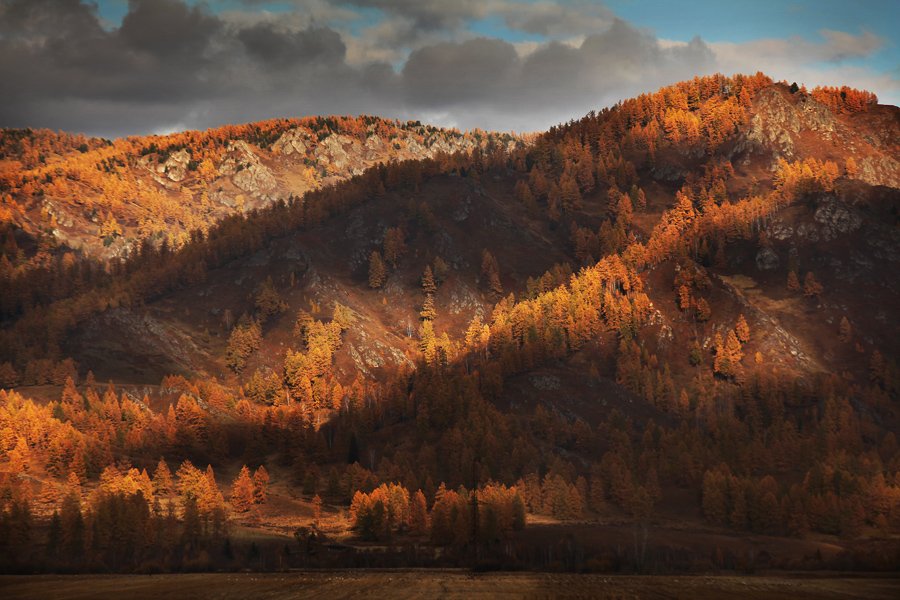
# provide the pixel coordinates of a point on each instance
(836, 219)
(766, 259)
(293, 142)
(808, 232)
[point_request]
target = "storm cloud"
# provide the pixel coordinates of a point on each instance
(174, 65)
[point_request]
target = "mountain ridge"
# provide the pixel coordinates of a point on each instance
(120, 192)
(678, 312)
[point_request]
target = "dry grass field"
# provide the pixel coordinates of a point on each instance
(439, 584)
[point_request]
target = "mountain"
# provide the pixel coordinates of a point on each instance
(641, 336)
(102, 198)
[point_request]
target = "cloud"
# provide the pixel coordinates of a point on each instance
(164, 29)
(171, 64)
(825, 62)
(556, 20)
(488, 81)
(277, 48)
(551, 19)
(836, 47)
(431, 14)
(842, 46)
(166, 63)
(460, 73)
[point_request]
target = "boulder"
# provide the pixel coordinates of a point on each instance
(766, 259)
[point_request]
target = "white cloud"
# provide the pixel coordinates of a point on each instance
(810, 62)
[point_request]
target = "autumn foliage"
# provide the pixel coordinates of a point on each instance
(719, 423)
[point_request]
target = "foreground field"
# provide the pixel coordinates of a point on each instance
(438, 584)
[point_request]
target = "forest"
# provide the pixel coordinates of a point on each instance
(437, 460)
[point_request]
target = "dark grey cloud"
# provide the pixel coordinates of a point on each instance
(167, 29)
(167, 66)
(170, 65)
(431, 14)
(489, 81)
(460, 73)
(270, 46)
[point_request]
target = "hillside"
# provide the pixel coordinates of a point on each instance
(660, 337)
(102, 198)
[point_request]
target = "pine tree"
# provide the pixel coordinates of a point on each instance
(728, 355)
(268, 301)
(317, 510)
(742, 330)
(162, 479)
(418, 514)
(793, 283)
(642, 200)
(684, 297)
(261, 485)
(302, 325)
(490, 271)
(704, 312)
(428, 312)
(242, 496)
(846, 331)
(209, 499)
(54, 536)
(428, 285)
(715, 507)
(245, 339)
(394, 245)
(110, 228)
(524, 195)
(377, 270)
(72, 526)
(441, 270)
(811, 286)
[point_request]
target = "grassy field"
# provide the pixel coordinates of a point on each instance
(438, 584)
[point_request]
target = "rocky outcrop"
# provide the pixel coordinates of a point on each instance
(62, 216)
(248, 173)
(257, 180)
(375, 147)
(778, 230)
(294, 142)
(176, 166)
(169, 172)
(417, 149)
(779, 121)
(880, 170)
(331, 152)
(836, 219)
(773, 127)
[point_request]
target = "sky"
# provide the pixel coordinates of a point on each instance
(127, 67)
